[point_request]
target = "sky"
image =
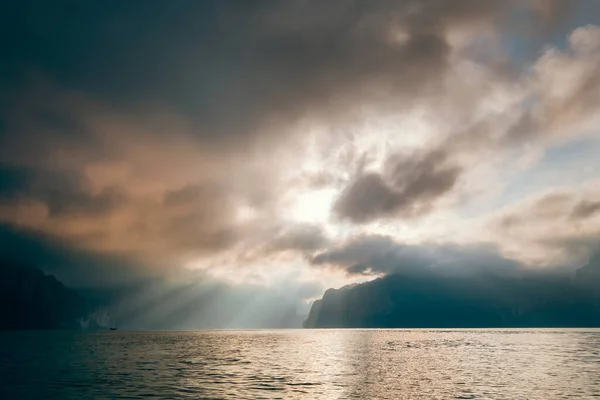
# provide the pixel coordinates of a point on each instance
(282, 148)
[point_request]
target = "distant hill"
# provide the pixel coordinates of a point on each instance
(430, 301)
(30, 299)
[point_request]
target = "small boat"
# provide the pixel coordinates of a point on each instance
(113, 329)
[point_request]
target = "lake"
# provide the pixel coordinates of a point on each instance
(302, 364)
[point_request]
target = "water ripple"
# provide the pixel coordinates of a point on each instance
(304, 364)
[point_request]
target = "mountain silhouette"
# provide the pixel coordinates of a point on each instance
(431, 301)
(30, 299)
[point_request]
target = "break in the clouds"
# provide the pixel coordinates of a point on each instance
(259, 141)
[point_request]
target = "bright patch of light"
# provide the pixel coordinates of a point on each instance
(313, 207)
(245, 214)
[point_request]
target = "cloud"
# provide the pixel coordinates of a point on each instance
(302, 237)
(561, 92)
(63, 193)
(585, 209)
(184, 147)
(119, 184)
(568, 82)
(383, 255)
(554, 104)
(242, 70)
(559, 227)
(408, 188)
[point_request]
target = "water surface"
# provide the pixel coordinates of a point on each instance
(302, 364)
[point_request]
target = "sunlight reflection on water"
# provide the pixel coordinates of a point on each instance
(302, 364)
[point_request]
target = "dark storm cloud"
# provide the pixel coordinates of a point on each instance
(117, 183)
(203, 90)
(408, 187)
(369, 254)
(230, 69)
(63, 193)
(232, 64)
(301, 237)
(376, 255)
(585, 209)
